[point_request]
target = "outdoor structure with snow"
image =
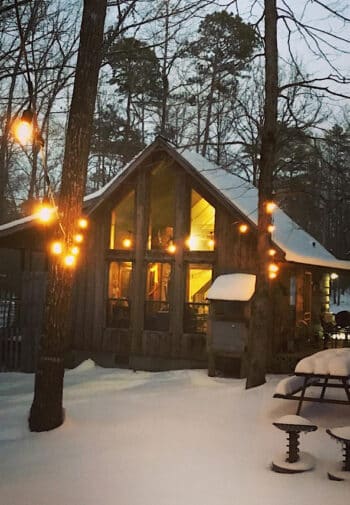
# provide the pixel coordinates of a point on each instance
(160, 232)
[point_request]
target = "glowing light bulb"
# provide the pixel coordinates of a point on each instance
(69, 260)
(83, 223)
(334, 276)
(273, 267)
(171, 248)
(22, 131)
(78, 238)
(45, 213)
(243, 228)
(270, 207)
(272, 275)
(271, 228)
(192, 243)
(211, 243)
(127, 243)
(75, 250)
(56, 248)
(271, 252)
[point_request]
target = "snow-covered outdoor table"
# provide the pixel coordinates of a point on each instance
(325, 369)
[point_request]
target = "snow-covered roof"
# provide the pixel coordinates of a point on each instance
(298, 245)
(232, 287)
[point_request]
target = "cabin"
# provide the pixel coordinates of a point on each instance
(160, 232)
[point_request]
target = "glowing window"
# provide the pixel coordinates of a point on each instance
(119, 279)
(202, 224)
(123, 224)
(198, 282)
(162, 208)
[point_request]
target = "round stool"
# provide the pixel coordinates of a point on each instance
(293, 462)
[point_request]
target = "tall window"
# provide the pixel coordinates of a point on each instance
(202, 224)
(123, 223)
(162, 208)
(199, 278)
(157, 296)
(119, 289)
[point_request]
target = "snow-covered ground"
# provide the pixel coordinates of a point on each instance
(166, 438)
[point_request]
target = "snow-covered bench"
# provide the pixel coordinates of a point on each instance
(325, 369)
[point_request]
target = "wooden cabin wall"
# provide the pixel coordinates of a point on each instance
(235, 251)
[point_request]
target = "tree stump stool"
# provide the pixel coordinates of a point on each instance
(342, 469)
(293, 462)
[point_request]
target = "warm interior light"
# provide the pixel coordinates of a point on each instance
(56, 247)
(69, 260)
(211, 243)
(78, 238)
(334, 276)
(75, 250)
(83, 223)
(272, 275)
(45, 213)
(270, 207)
(171, 248)
(273, 267)
(127, 243)
(271, 228)
(243, 228)
(271, 252)
(192, 243)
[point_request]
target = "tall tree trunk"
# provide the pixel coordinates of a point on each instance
(259, 341)
(165, 81)
(46, 411)
(209, 114)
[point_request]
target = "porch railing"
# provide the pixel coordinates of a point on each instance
(196, 317)
(156, 315)
(118, 313)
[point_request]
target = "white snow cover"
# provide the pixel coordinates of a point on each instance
(17, 222)
(289, 385)
(295, 420)
(342, 432)
(298, 245)
(329, 361)
(239, 287)
(168, 438)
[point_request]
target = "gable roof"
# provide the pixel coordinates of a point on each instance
(298, 245)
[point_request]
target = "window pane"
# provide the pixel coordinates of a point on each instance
(119, 289)
(157, 297)
(197, 306)
(202, 224)
(123, 223)
(198, 282)
(162, 208)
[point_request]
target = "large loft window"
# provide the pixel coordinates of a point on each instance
(119, 289)
(199, 278)
(157, 296)
(162, 208)
(202, 224)
(123, 223)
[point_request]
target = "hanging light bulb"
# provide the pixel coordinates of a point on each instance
(69, 260)
(171, 247)
(243, 228)
(271, 252)
(45, 213)
(75, 250)
(56, 247)
(273, 267)
(83, 223)
(271, 228)
(78, 238)
(270, 207)
(272, 275)
(22, 129)
(127, 243)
